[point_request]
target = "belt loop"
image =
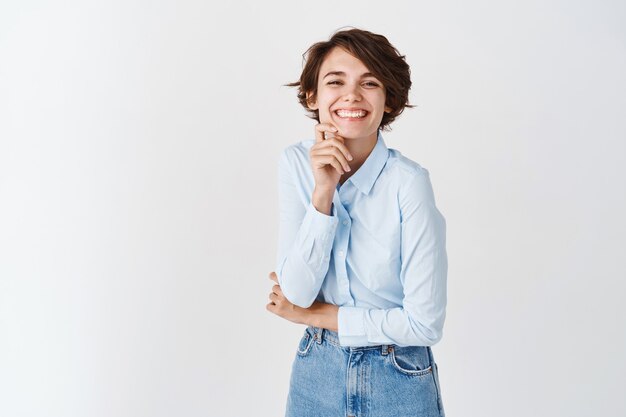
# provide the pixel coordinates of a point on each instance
(317, 334)
(430, 355)
(384, 349)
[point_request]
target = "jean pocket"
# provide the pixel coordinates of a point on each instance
(305, 343)
(411, 360)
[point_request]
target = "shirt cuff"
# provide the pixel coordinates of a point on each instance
(351, 326)
(316, 220)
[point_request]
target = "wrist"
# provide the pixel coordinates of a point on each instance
(324, 190)
(322, 315)
(322, 199)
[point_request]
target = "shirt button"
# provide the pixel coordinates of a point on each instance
(340, 253)
(345, 222)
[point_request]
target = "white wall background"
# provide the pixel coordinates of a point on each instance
(139, 143)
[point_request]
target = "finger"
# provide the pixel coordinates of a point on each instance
(273, 297)
(333, 151)
(277, 290)
(320, 128)
(321, 161)
(338, 156)
(336, 142)
(273, 277)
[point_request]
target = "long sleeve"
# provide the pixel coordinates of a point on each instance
(305, 239)
(423, 274)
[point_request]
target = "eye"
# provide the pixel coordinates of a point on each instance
(334, 82)
(371, 84)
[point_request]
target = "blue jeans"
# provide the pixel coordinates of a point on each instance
(328, 380)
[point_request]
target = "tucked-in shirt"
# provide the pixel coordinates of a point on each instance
(380, 255)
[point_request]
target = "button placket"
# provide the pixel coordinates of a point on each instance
(340, 245)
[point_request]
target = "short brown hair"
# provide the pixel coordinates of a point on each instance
(379, 56)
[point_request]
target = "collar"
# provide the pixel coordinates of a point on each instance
(365, 177)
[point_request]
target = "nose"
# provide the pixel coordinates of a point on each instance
(352, 93)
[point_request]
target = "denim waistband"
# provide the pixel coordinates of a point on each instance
(321, 334)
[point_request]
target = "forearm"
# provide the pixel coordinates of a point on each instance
(420, 326)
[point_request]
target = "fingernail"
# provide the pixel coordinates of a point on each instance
(334, 129)
(350, 157)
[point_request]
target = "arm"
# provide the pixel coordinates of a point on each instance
(305, 239)
(419, 322)
(318, 314)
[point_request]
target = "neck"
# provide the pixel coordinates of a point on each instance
(360, 149)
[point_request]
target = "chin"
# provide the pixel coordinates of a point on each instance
(355, 134)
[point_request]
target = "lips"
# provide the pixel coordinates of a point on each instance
(351, 113)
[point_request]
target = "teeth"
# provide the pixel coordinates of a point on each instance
(345, 113)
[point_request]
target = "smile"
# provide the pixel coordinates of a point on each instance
(351, 114)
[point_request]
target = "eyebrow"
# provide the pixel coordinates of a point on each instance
(341, 73)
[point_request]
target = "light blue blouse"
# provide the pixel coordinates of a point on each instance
(380, 256)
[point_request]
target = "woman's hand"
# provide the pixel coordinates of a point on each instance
(280, 306)
(320, 314)
(329, 157)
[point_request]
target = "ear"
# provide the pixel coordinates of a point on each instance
(311, 104)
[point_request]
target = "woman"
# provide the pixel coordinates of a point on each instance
(361, 252)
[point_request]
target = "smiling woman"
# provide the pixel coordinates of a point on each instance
(381, 64)
(349, 96)
(361, 254)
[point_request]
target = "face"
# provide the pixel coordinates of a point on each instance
(349, 96)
